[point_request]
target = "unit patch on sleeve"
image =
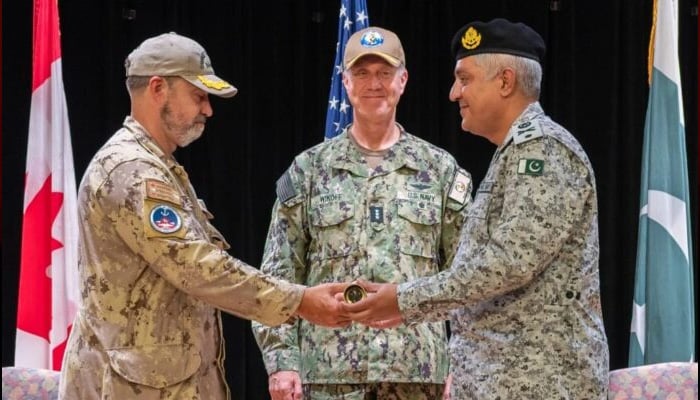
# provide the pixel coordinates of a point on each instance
(165, 219)
(158, 190)
(460, 184)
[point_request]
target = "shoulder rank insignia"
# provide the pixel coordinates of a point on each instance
(285, 188)
(527, 131)
(530, 166)
(460, 185)
(165, 219)
(158, 190)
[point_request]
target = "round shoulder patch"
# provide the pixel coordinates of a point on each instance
(165, 219)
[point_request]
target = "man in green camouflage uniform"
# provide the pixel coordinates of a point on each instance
(152, 266)
(526, 272)
(373, 203)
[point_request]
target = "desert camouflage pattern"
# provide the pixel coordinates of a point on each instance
(525, 275)
(148, 327)
(337, 220)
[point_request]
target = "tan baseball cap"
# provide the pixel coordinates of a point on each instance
(376, 41)
(171, 54)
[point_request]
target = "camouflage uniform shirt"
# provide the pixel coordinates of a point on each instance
(152, 271)
(526, 274)
(337, 220)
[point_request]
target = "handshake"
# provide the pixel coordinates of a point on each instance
(339, 304)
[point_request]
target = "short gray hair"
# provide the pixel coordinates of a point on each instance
(137, 83)
(528, 72)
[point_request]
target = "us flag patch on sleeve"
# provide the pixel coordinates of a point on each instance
(285, 188)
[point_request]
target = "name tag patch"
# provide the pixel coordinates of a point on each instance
(158, 190)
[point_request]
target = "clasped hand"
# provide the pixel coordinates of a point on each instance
(325, 305)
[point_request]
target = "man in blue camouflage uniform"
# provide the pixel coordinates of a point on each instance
(526, 273)
(373, 203)
(154, 271)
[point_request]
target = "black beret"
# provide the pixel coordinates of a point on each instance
(498, 36)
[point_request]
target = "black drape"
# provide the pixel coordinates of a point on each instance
(280, 54)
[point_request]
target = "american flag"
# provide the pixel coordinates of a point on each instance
(353, 17)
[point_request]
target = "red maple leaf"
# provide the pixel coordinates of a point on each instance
(34, 305)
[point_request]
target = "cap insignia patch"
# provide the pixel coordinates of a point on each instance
(214, 84)
(471, 39)
(372, 39)
(165, 219)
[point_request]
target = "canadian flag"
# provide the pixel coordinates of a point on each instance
(48, 286)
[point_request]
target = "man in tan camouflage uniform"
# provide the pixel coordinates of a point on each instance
(526, 272)
(373, 203)
(153, 269)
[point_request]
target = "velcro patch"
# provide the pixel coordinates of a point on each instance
(530, 166)
(158, 190)
(165, 219)
(460, 184)
(285, 188)
(527, 131)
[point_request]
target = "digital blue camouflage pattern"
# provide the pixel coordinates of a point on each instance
(337, 220)
(525, 275)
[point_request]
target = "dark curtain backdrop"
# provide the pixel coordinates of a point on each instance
(280, 54)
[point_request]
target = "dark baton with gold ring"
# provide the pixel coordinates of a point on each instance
(354, 293)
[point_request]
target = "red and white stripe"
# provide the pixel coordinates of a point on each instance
(48, 288)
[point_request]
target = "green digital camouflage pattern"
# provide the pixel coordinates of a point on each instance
(526, 275)
(148, 327)
(379, 390)
(336, 220)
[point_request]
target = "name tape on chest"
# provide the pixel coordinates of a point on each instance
(460, 184)
(527, 131)
(158, 190)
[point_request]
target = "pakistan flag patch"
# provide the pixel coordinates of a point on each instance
(530, 166)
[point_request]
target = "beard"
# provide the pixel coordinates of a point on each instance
(181, 133)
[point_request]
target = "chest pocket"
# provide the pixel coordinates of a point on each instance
(419, 224)
(332, 229)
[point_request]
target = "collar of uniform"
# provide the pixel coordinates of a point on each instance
(349, 157)
(532, 111)
(145, 140)
(346, 155)
(403, 153)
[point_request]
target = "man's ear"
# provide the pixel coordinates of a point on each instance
(508, 82)
(158, 88)
(345, 79)
(404, 79)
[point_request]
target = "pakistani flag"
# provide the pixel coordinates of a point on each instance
(663, 321)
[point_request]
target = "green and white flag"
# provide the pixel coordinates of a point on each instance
(663, 320)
